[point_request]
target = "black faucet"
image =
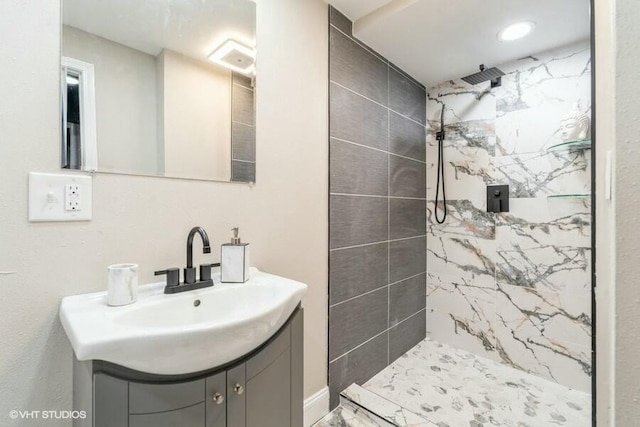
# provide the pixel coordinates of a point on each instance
(190, 282)
(190, 271)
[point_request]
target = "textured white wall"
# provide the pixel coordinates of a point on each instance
(618, 235)
(605, 213)
(627, 205)
(145, 220)
(197, 118)
(126, 101)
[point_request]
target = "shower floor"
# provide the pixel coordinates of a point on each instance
(436, 385)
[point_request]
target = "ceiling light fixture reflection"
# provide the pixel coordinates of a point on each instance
(235, 56)
(516, 31)
(72, 80)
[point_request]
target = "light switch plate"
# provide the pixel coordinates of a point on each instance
(51, 197)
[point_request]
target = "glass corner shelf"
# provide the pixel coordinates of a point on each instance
(579, 144)
(570, 196)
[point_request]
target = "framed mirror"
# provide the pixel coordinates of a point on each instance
(159, 88)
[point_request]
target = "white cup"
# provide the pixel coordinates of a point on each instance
(122, 286)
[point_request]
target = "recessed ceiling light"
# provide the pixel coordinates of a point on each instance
(235, 56)
(516, 31)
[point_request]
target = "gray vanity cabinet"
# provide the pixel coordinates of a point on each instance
(261, 390)
(216, 406)
(268, 395)
(236, 404)
(190, 416)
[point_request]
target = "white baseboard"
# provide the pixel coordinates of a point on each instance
(316, 407)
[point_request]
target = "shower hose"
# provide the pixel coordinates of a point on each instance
(440, 179)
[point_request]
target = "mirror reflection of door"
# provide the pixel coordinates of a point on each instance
(174, 87)
(72, 147)
(78, 116)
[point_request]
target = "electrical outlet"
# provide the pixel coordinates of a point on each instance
(54, 197)
(72, 197)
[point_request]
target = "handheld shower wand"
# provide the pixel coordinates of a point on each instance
(440, 138)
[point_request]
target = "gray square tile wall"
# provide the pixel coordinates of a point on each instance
(377, 259)
(243, 129)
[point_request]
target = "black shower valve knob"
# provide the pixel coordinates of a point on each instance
(497, 198)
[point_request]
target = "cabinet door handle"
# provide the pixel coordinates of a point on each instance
(238, 389)
(218, 398)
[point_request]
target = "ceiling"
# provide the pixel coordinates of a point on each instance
(356, 9)
(436, 40)
(192, 27)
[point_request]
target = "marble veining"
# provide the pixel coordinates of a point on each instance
(539, 332)
(514, 287)
(464, 315)
(469, 134)
(467, 173)
(544, 334)
(533, 223)
(544, 174)
(450, 387)
(464, 260)
(463, 219)
(546, 267)
(537, 93)
(351, 415)
(388, 410)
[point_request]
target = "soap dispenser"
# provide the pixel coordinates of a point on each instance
(234, 260)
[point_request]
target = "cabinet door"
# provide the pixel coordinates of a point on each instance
(111, 401)
(297, 370)
(152, 398)
(216, 400)
(193, 416)
(236, 408)
(268, 395)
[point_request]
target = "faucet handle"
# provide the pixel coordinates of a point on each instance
(173, 276)
(205, 270)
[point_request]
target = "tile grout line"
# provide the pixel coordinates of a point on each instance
(377, 335)
(426, 225)
(378, 149)
(362, 45)
(243, 124)
(358, 296)
(379, 57)
(377, 196)
(358, 346)
(409, 317)
(243, 86)
(408, 77)
(408, 278)
(376, 102)
(389, 217)
(378, 243)
(377, 289)
(389, 69)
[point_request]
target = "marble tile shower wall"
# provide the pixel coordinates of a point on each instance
(514, 287)
(377, 259)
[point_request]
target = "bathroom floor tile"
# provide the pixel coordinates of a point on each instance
(350, 416)
(451, 387)
(383, 408)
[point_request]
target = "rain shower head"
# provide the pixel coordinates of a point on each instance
(494, 74)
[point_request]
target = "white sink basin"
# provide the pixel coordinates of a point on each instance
(170, 335)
